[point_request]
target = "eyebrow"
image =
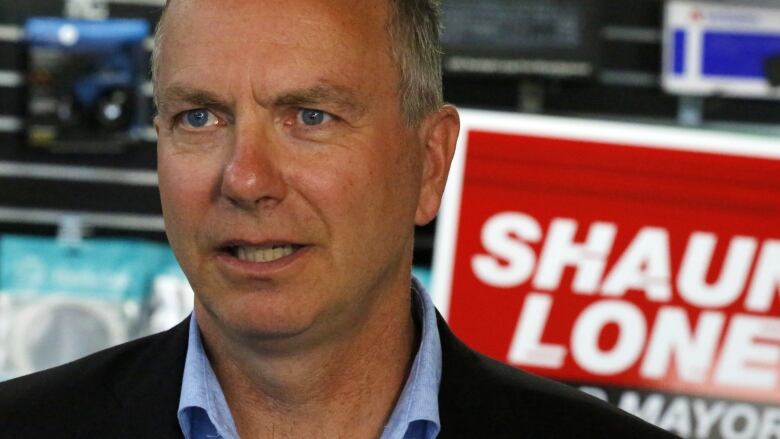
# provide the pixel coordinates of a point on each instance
(191, 95)
(342, 97)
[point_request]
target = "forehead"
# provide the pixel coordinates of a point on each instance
(352, 14)
(257, 34)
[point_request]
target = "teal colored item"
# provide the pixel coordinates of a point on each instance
(63, 299)
(423, 274)
(105, 269)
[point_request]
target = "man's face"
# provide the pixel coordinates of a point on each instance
(290, 183)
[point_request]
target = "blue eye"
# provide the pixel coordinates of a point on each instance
(198, 118)
(313, 117)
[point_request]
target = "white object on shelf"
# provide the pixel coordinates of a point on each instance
(48, 331)
(720, 48)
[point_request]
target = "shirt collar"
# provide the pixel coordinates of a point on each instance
(203, 410)
(416, 414)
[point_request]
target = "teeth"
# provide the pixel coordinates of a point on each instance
(264, 254)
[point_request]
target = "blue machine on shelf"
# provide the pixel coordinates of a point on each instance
(85, 79)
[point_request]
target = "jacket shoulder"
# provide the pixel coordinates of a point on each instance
(481, 397)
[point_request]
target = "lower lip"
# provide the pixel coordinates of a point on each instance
(260, 269)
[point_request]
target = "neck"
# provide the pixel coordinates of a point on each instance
(346, 388)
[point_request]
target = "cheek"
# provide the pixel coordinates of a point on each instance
(363, 194)
(330, 187)
(186, 186)
(396, 182)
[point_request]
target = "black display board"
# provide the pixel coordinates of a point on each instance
(522, 37)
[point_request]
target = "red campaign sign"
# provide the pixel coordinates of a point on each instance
(616, 254)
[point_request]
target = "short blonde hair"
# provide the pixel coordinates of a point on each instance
(414, 30)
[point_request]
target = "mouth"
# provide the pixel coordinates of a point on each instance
(261, 253)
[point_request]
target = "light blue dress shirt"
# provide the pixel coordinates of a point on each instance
(204, 413)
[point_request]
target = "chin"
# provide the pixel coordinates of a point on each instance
(262, 320)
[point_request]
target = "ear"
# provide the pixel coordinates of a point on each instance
(156, 123)
(439, 133)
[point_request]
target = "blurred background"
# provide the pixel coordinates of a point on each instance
(83, 258)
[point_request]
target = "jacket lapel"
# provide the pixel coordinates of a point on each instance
(148, 388)
(459, 386)
(474, 399)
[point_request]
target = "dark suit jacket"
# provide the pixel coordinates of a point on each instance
(132, 391)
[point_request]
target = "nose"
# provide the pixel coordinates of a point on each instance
(252, 176)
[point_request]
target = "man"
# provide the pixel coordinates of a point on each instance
(299, 144)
